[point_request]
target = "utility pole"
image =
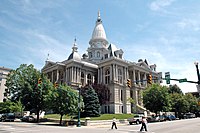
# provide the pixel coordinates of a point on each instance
(79, 100)
(196, 64)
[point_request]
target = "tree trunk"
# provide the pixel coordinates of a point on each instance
(61, 115)
(38, 115)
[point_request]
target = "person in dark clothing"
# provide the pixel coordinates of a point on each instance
(114, 123)
(144, 122)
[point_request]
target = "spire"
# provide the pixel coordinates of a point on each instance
(74, 48)
(47, 57)
(98, 18)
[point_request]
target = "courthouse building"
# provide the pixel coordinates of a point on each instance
(104, 64)
(3, 73)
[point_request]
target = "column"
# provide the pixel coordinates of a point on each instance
(66, 74)
(75, 74)
(52, 76)
(134, 79)
(145, 78)
(72, 74)
(139, 77)
(111, 77)
(113, 70)
(86, 82)
(98, 76)
(57, 75)
(116, 73)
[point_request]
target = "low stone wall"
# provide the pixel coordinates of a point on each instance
(105, 122)
(88, 122)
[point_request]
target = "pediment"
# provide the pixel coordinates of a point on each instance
(144, 65)
(49, 64)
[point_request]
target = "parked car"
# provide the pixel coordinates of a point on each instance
(9, 117)
(2, 117)
(189, 115)
(137, 119)
(28, 119)
(152, 118)
(170, 117)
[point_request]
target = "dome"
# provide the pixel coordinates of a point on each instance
(74, 56)
(98, 32)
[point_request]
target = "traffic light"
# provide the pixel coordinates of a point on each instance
(39, 81)
(129, 83)
(149, 79)
(55, 85)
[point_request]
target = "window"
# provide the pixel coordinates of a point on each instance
(90, 54)
(107, 76)
(82, 78)
(98, 54)
(121, 95)
(120, 76)
(89, 79)
(106, 56)
(120, 56)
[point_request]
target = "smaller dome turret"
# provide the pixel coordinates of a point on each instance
(74, 55)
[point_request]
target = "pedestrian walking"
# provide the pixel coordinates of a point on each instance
(114, 123)
(144, 124)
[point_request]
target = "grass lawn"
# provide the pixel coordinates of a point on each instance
(102, 117)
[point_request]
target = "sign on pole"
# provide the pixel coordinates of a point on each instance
(167, 77)
(182, 80)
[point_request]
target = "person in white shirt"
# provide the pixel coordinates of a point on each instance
(144, 122)
(114, 123)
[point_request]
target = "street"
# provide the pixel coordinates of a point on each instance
(178, 126)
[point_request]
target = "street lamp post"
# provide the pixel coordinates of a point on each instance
(79, 100)
(196, 64)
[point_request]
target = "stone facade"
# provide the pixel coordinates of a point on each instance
(104, 64)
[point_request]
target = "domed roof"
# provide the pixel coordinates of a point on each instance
(74, 55)
(99, 32)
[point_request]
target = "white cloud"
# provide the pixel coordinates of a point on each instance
(160, 4)
(189, 24)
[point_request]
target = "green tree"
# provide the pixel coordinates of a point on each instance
(63, 101)
(6, 107)
(22, 84)
(102, 91)
(91, 102)
(174, 89)
(192, 102)
(156, 98)
(179, 104)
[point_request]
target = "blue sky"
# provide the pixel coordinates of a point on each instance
(165, 32)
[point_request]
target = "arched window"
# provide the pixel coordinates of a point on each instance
(90, 54)
(89, 79)
(120, 76)
(98, 54)
(107, 76)
(82, 78)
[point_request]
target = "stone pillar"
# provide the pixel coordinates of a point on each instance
(111, 77)
(72, 74)
(66, 74)
(98, 76)
(116, 73)
(52, 77)
(134, 79)
(86, 82)
(145, 78)
(57, 75)
(139, 83)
